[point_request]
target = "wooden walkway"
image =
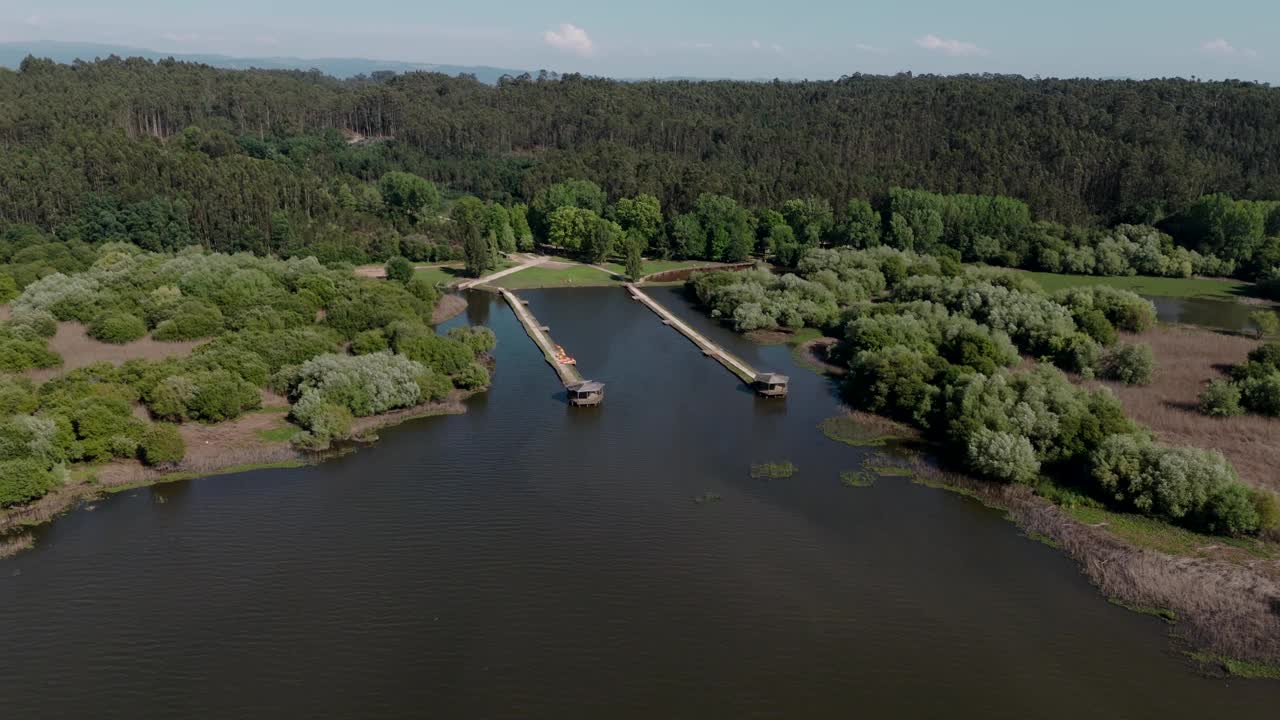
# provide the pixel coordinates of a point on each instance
(569, 374)
(745, 372)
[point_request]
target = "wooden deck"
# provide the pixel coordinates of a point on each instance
(569, 374)
(732, 363)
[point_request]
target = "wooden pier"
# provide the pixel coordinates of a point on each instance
(570, 377)
(767, 384)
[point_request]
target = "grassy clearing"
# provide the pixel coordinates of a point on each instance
(280, 434)
(1158, 535)
(855, 479)
(650, 267)
(549, 277)
(442, 274)
(851, 432)
(774, 471)
(1216, 289)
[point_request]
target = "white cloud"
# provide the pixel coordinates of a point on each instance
(570, 38)
(778, 48)
(867, 48)
(1219, 46)
(35, 20)
(957, 48)
(181, 38)
(755, 45)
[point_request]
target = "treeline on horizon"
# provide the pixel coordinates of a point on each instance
(1011, 171)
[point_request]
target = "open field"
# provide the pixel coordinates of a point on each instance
(1213, 288)
(1186, 359)
(557, 274)
(78, 350)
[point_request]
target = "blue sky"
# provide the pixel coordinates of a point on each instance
(707, 38)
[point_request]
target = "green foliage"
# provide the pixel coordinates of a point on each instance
(117, 328)
(774, 471)
(192, 319)
(1261, 394)
(477, 338)
(1129, 364)
(473, 377)
(1189, 486)
(1221, 398)
(19, 353)
(408, 195)
(400, 270)
(162, 444)
(444, 355)
(221, 395)
(364, 384)
(323, 419)
(25, 480)
(1003, 456)
(369, 342)
(1266, 322)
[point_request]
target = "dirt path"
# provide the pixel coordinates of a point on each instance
(528, 263)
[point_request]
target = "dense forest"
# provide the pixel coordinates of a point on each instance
(1169, 177)
(1077, 151)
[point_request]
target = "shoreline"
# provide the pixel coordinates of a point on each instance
(1235, 633)
(87, 484)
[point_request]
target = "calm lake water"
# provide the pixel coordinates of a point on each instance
(527, 560)
(1213, 314)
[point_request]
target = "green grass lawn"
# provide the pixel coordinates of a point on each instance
(442, 274)
(655, 266)
(545, 277)
(1160, 287)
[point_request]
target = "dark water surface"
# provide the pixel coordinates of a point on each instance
(1227, 315)
(529, 560)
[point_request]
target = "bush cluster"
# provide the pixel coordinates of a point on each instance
(1252, 387)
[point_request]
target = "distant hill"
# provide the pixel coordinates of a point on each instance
(12, 53)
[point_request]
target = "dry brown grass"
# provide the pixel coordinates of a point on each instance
(1188, 358)
(78, 350)
(449, 307)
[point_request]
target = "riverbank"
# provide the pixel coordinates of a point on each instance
(250, 442)
(1217, 595)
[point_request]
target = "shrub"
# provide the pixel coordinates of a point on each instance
(191, 320)
(1129, 364)
(897, 382)
(171, 398)
(1261, 394)
(369, 342)
(1267, 355)
(424, 290)
(1221, 398)
(162, 444)
(325, 420)
(434, 386)
(18, 354)
(221, 395)
(438, 353)
(478, 339)
(364, 384)
(1192, 487)
(472, 377)
(1266, 322)
(117, 328)
(399, 270)
(17, 396)
(1003, 456)
(25, 480)
(41, 323)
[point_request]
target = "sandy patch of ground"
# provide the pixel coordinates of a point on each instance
(449, 307)
(1187, 359)
(78, 350)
